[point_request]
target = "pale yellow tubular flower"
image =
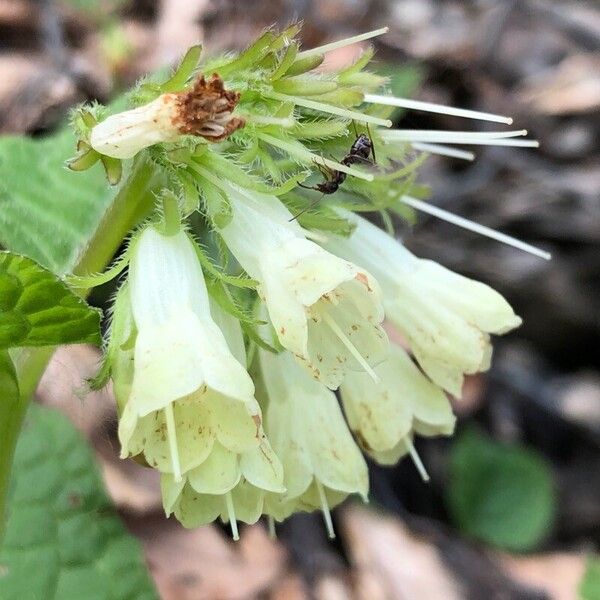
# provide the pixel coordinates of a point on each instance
(321, 462)
(385, 416)
(446, 318)
(325, 310)
(188, 391)
(227, 483)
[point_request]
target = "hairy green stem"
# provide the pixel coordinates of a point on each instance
(131, 205)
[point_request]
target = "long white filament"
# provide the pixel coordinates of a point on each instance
(441, 150)
(436, 108)
(417, 460)
(172, 437)
(342, 43)
(475, 227)
(231, 514)
(432, 135)
(325, 509)
(327, 319)
(329, 109)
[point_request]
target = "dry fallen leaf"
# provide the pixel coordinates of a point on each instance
(391, 562)
(202, 563)
(556, 574)
(571, 87)
(290, 587)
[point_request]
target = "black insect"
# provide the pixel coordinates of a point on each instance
(360, 151)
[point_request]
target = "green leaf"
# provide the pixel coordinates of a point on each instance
(63, 539)
(38, 309)
(10, 416)
(48, 212)
(500, 494)
(589, 588)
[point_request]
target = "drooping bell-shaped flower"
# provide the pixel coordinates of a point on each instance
(228, 483)
(325, 310)
(204, 110)
(322, 464)
(446, 318)
(210, 491)
(385, 416)
(188, 392)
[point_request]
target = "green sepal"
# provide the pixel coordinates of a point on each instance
(251, 56)
(270, 165)
(184, 71)
(84, 118)
(87, 157)
(268, 62)
(319, 129)
(287, 59)
(342, 98)
(229, 171)
(95, 279)
(222, 296)
(324, 219)
(285, 36)
(358, 65)
(113, 167)
(303, 65)
(366, 80)
(189, 192)
(298, 86)
(249, 154)
(241, 281)
(218, 207)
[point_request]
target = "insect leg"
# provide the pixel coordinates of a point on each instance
(313, 203)
(372, 144)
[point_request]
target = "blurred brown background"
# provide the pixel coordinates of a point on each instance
(536, 60)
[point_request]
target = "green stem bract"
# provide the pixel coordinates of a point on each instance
(131, 205)
(171, 215)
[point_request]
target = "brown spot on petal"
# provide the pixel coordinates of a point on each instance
(257, 422)
(205, 110)
(362, 442)
(364, 280)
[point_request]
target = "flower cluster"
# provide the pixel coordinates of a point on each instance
(247, 304)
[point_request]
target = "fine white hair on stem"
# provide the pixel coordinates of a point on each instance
(475, 227)
(342, 43)
(436, 108)
(441, 150)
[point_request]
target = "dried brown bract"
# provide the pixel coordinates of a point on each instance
(206, 110)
